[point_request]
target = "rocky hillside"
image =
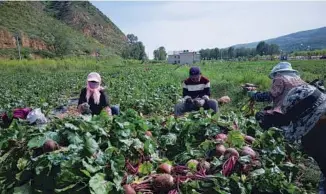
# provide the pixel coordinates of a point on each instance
(50, 29)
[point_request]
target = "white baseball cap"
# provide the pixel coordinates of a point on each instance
(94, 77)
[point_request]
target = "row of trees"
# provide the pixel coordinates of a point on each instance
(311, 53)
(231, 52)
(136, 50)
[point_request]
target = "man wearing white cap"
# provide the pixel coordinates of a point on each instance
(284, 79)
(93, 99)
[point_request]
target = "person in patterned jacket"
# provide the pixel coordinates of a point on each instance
(284, 79)
(305, 109)
(196, 94)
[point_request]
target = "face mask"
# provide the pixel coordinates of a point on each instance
(93, 85)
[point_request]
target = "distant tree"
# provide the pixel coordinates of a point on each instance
(262, 48)
(216, 53)
(160, 54)
(135, 49)
(231, 52)
(132, 39)
(211, 54)
(273, 49)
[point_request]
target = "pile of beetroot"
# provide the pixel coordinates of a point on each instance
(130, 154)
(168, 178)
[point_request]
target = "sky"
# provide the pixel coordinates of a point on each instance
(179, 25)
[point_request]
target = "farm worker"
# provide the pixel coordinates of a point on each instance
(93, 99)
(284, 79)
(305, 109)
(196, 94)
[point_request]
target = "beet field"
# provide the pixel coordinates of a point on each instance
(145, 149)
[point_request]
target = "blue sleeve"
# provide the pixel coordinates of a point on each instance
(262, 97)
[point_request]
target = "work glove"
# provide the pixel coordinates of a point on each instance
(85, 108)
(199, 102)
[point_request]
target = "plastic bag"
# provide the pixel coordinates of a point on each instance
(36, 116)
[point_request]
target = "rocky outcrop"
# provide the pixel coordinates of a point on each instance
(35, 44)
(7, 40)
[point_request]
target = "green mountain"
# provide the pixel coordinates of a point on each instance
(315, 39)
(52, 28)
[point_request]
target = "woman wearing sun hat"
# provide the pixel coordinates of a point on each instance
(305, 109)
(93, 99)
(284, 79)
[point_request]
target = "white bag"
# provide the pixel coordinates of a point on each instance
(36, 116)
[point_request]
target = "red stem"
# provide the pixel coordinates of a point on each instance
(229, 165)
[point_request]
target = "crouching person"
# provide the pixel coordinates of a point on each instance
(93, 99)
(196, 94)
(305, 109)
(284, 78)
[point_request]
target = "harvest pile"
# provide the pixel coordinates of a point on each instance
(198, 153)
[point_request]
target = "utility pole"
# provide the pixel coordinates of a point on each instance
(17, 40)
(221, 53)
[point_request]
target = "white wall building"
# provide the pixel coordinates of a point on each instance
(183, 57)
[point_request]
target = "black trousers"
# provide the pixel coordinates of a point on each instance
(314, 144)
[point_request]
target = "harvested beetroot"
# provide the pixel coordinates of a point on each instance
(221, 137)
(50, 146)
(148, 133)
(247, 151)
(249, 139)
(231, 152)
(128, 189)
(163, 182)
(164, 168)
(246, 168)
(220, 149)
(192, 163)
(256, 163)
(204, 165)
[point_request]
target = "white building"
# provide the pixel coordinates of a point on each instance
(183, 57)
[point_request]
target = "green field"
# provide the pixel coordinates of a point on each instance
(146, 94)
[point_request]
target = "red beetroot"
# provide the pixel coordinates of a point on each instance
(148, 133)
(231, 152)
(128, 189)
(246, 150)
(221, 137)
(50, 146)
(256, 164)
(249, 139)
(220, 149)
(164, 168)
(246, 168)
(204, 165)
(163, 182)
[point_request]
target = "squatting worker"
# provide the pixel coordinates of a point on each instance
(196, 94)
(284, 78)
(305, 109)
(93, 99)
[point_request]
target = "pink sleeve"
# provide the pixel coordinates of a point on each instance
(277, 87)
